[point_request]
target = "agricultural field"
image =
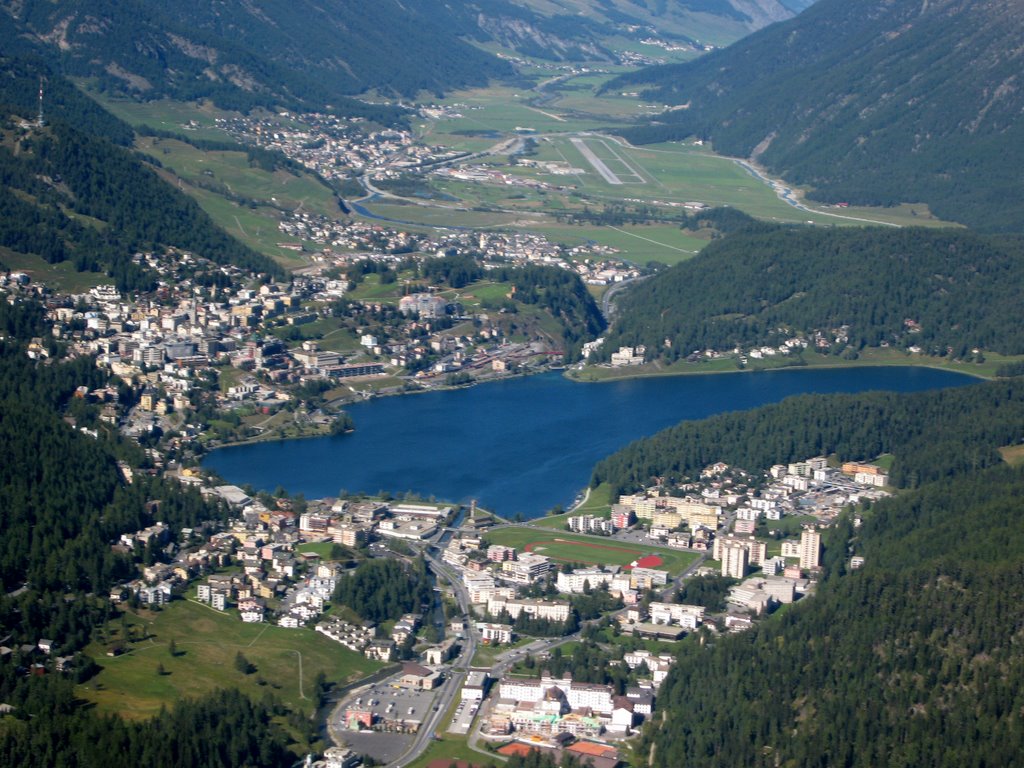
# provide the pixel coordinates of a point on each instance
(206, 642)
(231, 173)
(256, 227)
(197, 120)
(639, 244)
(504, 110)
(593, 550)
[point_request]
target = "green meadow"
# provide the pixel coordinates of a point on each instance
(206, 642)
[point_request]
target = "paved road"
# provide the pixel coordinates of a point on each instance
(607, 307)
(457, 672)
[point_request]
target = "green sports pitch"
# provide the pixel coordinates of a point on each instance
(592, 550)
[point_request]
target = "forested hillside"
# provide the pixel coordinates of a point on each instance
(933, 435)
(868, 102)
(279, 52)
(913, 660)
(944, 291)
(68, 192)
(592, 30)
(64, 498)
(64, 502)
(49, 729)
(307, 54)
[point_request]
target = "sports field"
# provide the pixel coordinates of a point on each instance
(592, 550)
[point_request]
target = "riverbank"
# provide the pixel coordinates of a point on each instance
(871, 358)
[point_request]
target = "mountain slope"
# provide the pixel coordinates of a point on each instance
(914, 659)
(590, 29)
(935, 289)
(309, 53)
(294, 52)
(69, 193)
(870, 102)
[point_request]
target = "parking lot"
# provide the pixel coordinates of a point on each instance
(397, 712)
(462, 719)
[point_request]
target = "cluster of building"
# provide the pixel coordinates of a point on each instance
(263, 571)
(551, 707)
(341, 240)
(336, 147)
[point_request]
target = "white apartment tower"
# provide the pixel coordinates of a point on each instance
(735, 557)
(810, 548)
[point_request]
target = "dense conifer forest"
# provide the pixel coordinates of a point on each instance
(933, 435)
(944, 291)
(301, 54)
(383, 589)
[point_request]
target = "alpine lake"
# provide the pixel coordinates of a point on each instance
(521, 446)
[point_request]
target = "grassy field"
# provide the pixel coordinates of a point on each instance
(567, 547)
(1013, 455)
(322, 548)
(451, 748)
(62, 276)
(286, 660)
(503, 110)
(598, 503)
(437, 216)
(637, 243)
(232, 172)
(189, 118)
(487, 655)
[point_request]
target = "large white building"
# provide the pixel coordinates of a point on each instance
(495, 633)
(757, 550)
(552, 610)
(479, 585)
(578, 695)
(658, 664)
(648, 578)
(810, 548)
(686, 616)
(424, 305)
(734, 558)
(578, 580)
(527, 569)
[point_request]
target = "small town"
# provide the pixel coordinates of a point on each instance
(554, 634)
(503, 652)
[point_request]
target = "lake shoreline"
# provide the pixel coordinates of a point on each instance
(578, 375)
(527, 443)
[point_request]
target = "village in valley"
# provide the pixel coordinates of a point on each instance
(555, 634)
(486, 637)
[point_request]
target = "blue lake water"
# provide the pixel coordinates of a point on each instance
(523, 445)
